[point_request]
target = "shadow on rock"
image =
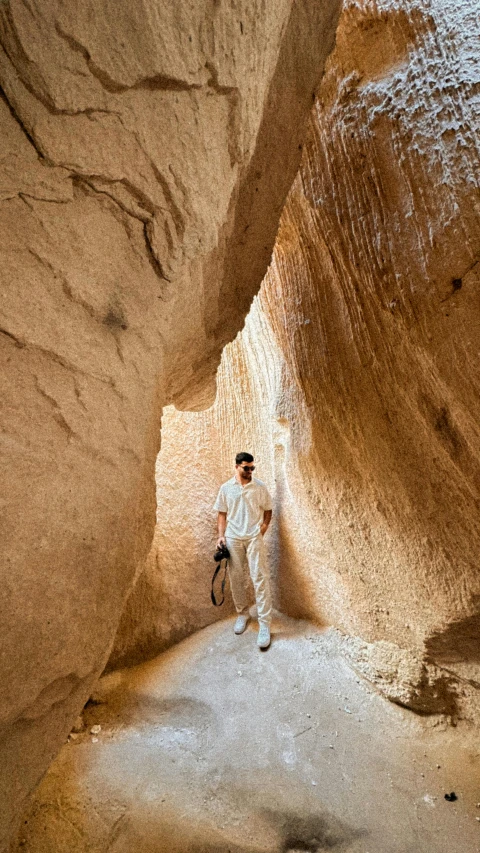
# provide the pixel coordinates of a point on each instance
(312, 833)
(457, 643)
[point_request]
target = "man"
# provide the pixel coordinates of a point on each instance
(244, 513)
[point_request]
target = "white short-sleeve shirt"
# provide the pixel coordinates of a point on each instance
(244, 506)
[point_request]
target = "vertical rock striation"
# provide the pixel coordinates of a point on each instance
(377, 259)
(147, 149)
(367, 413)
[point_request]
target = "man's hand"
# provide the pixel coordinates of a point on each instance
(221, 541)
(267, 517)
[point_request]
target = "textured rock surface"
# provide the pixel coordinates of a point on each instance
(147, 149)
(379, 249)
(367, 409)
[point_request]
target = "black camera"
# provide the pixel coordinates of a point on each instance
(222, 553)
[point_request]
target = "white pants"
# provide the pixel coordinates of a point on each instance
(251, 551)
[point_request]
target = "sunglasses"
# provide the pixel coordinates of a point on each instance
(247, 467)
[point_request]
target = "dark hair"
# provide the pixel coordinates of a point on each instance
(243, 457)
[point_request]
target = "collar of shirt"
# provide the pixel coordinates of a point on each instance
(235, 481)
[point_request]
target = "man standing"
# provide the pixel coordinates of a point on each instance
(244, 512)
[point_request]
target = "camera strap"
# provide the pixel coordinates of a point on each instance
(212, 594)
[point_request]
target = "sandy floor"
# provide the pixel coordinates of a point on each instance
(215, 746)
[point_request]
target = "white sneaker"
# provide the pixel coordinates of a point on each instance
(263, 641)
(241, 623)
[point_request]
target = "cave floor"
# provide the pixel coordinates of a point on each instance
(215, 746)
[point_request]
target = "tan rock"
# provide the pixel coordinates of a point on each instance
(378, 247)
(78, 726)
(146, 153)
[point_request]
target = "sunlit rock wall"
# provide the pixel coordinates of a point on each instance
(147, 149)
(370, 324)
(377, 266)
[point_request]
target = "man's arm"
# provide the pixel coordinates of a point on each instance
(221, 525)
(267, 517)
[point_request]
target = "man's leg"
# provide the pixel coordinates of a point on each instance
(237, 575)
(257, 563)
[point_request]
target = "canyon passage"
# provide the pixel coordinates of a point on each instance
(239, 226)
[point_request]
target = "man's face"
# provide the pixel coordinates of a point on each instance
(245, 470)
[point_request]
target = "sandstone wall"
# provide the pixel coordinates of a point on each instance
(147, 149)
(379, 249)
(367, 409)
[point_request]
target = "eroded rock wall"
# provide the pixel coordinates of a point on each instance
(147, 149)
(368, 410)
(377, 259)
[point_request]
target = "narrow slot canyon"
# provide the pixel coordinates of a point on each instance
(240, 226)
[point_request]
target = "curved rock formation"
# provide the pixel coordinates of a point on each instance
(146, 153)
(365, 406)
(379, 249)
